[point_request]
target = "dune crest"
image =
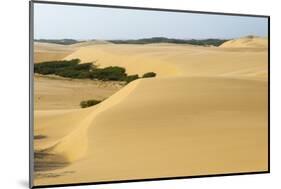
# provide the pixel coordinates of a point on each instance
(75, 145)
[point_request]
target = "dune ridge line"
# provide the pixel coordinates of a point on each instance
(74, 145)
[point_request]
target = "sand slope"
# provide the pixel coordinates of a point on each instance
(246, 42)
(187, 126)
(52, 93)
(135, 58)
(177, 60)
(50, 51)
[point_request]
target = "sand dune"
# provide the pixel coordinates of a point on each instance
(50, 51)
(247, 42)
(176, 60)
(162, 127)
(135, 58)
(204, 113)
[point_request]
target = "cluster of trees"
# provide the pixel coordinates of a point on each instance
(203, 42)
(72, 69)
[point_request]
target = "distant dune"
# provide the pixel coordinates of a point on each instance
(137, 59)
(246, 42)
(204, 113)
(177, 60)
(50, 51)
(89, 43)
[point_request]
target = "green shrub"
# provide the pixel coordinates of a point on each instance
(109, 73)
(88, 103)
(130, 78)
(53, 67)
(84, 66)
(149, 74)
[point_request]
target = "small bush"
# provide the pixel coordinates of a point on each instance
(88, 103)
(131, 78)
(149, 74)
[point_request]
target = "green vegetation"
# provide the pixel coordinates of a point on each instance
(72, 69)
(130, 78)
(202, 42)
(149, 74)
(88, 103)
(113, 73)
(65, 68)
(58, 41)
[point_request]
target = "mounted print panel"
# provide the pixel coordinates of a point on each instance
(125, 94)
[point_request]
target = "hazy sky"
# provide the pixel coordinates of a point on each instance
(79, 22)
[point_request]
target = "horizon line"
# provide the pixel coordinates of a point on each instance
(124, 39)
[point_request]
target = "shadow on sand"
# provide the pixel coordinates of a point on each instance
(45, 162)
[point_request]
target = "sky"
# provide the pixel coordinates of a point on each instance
(84, 23)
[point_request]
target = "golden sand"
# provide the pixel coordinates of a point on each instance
(247, 42)
(177, 60)
(204, 113)
(52, 92)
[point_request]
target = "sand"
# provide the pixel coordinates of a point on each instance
(247, 42)
(51, 51)
(53, 92)
(205, 113)
(177, 60)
